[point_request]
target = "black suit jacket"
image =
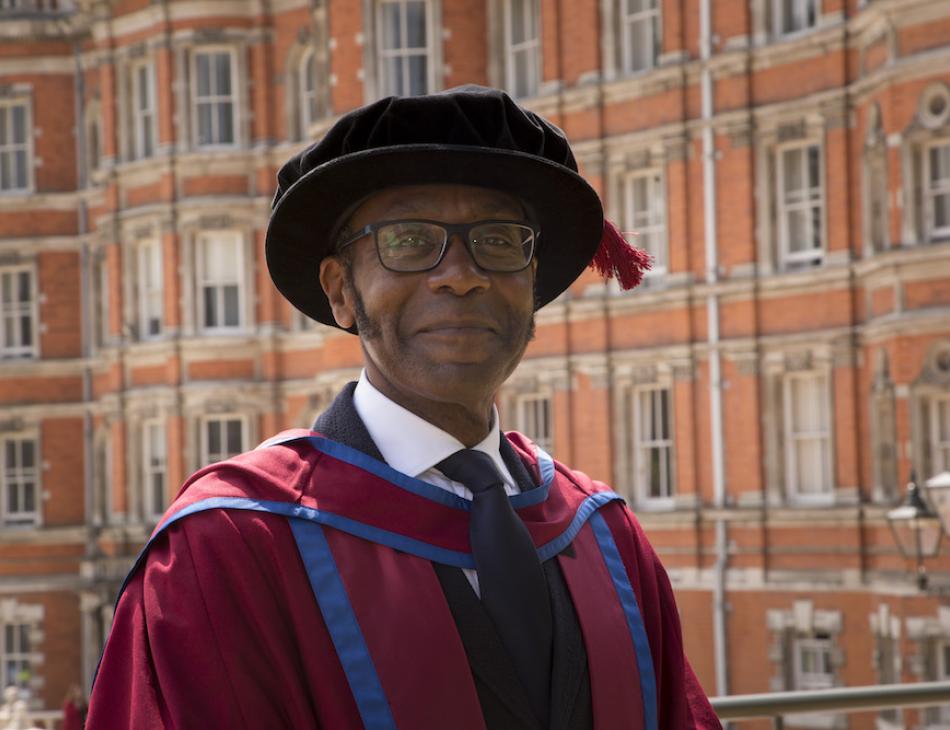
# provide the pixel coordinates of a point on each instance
(503, 700)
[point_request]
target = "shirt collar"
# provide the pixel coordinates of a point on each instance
(411, 444)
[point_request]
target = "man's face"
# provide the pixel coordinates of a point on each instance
(453, 333)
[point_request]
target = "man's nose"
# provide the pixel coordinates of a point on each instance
(457, 270)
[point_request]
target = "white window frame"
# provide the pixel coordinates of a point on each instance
(151, 281)
(643, 444)
(20, 477)
(628, 56)
(930, 192)
(10, 148)
(825, 493)
(203, 281)
(12, 312)
(648, 226)
(144, 118)
(940, 448)
(234, 98)
(799, 10)
(223, 418)
(403, 53)
(21, 655)
(811, 199)
(154, 467)
(534, 415)
(525, 54)
(824, 650)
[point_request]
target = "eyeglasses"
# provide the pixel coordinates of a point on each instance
(420, 245)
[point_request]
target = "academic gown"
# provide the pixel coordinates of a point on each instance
(305, 584)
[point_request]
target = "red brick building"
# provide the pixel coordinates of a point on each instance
(760, 400)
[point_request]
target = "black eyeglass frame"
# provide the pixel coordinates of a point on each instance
(462, 229)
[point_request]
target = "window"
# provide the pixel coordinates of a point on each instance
(150, 289)
(653, 444)
(309, 95)
(942, 666)
(221, 438)
(14, 147)
(154, 460)
(876, 200)
(645, 215)
(800, 204)
(812, 664)
(221, 280)
(20, 476)
(534, 420)
(793, 16)
(937, 190)
(15, 665)
(807, 436)
(403, 48)
(940, 433)
(17, 312)
(639, 34)
(102, 309)
(214, 98)
(522, 47)
(143, 110)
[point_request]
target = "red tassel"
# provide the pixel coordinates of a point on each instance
(617, 258)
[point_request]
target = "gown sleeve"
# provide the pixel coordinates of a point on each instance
(206, 635)
(681, 702)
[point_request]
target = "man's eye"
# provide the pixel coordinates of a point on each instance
(407, 241)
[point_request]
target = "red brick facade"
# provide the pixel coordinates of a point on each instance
(141, 335)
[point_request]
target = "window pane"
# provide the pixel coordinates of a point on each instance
(392, 26)
(225, 123)
(202, 62)
(222, 74)
(417, 75)
(214, 438)
(210, 307)
(234, 437)
(19, 124)
(231, 309)
(792, 174)
(416, 24)
(205, 129)
(516, 17)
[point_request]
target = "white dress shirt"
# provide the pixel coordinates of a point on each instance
(414, 446)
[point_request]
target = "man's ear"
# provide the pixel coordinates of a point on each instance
(333, 282)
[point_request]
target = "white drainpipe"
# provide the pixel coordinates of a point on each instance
(715, 366)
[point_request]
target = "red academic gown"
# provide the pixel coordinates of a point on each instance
(293, 587)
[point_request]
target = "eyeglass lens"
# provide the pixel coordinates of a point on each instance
(417, 245)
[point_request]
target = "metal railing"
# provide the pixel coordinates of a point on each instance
(776, 705)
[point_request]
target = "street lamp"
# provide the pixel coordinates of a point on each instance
(916, 529)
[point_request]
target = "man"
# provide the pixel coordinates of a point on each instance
(406, 564)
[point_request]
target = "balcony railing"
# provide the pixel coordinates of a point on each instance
(776, 705)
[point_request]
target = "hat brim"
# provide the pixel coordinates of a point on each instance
(568, 211)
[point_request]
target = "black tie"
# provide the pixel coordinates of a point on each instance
(510, 578)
